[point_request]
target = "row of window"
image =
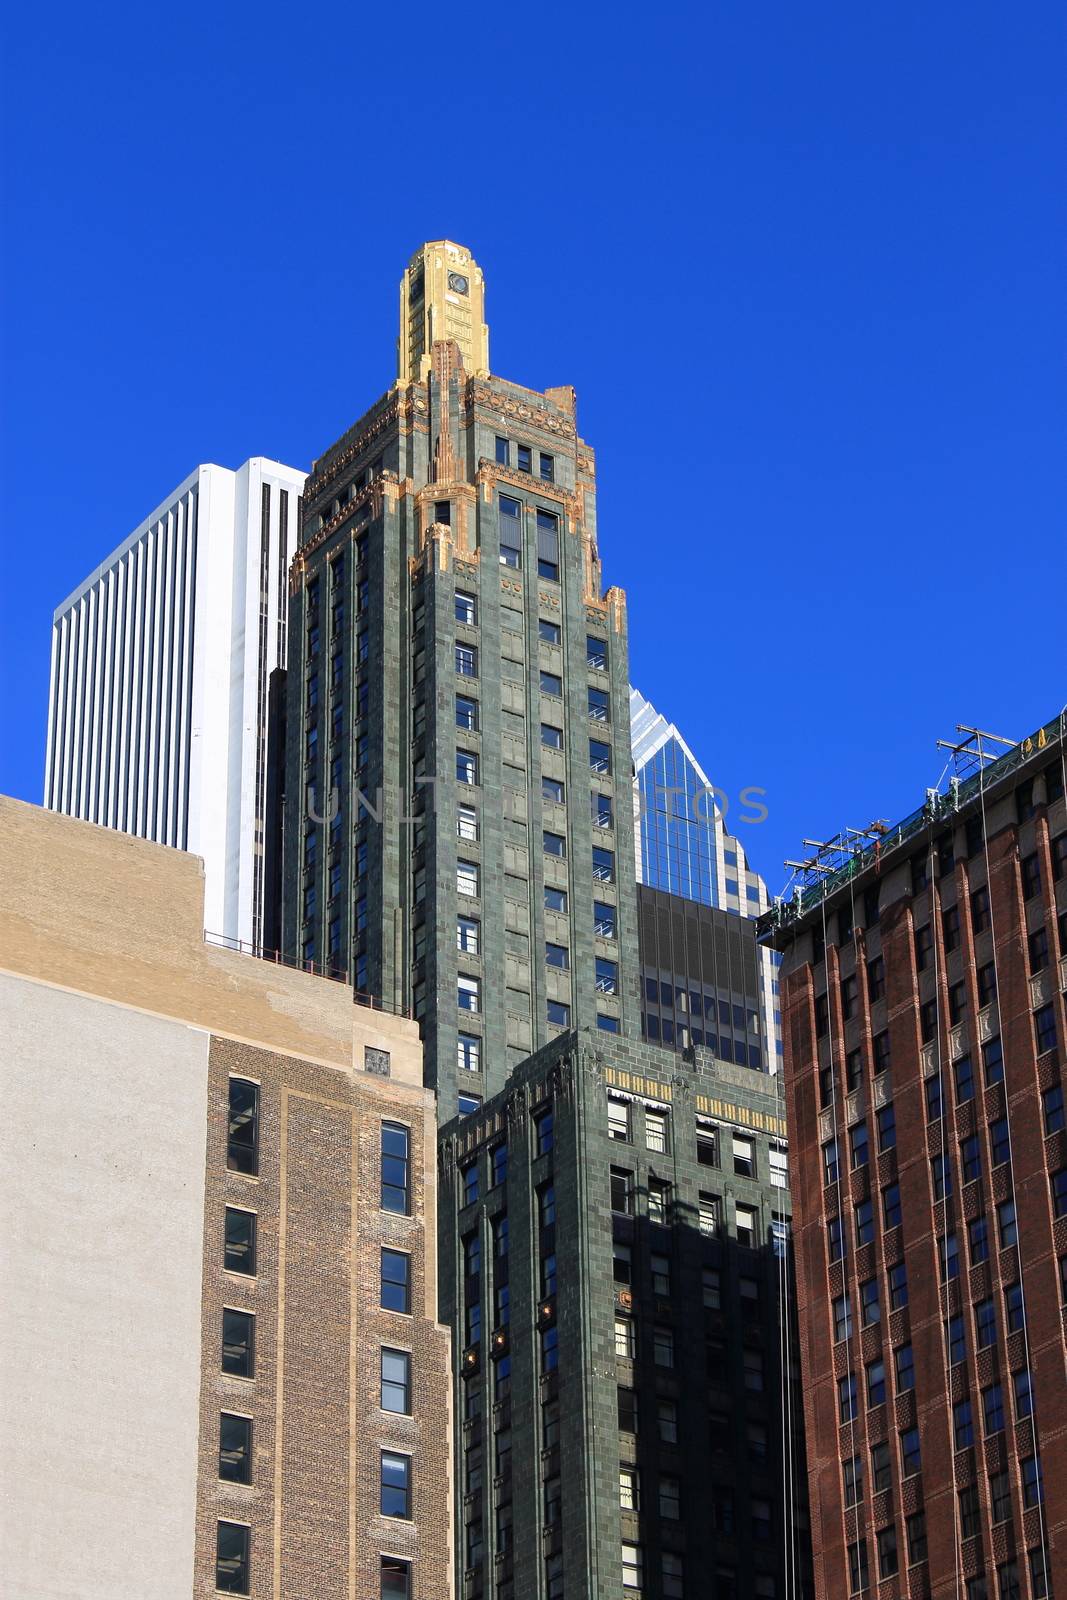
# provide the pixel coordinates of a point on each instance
(549, 632)
(233, 1564)
(468, 711)
(468, 765)
(523, 454)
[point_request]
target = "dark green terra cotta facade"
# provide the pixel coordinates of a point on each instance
(546, 1371)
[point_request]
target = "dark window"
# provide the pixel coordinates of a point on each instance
(924, 944)
(898, 1286)
(970, 1159)
(858, 1145)
(891, 1213)
(238, 1343)
(928, 1020)
(1052, 1106)
(233, 1572)
(915, 1530)
(980, 909)
(548, 546)
(502, 452)
(242, 1151)
(1045, 1029)
(596, 653)
(970, 1512)
(880, 1045)
(599, 756)
(956, 1339)
(964, 1072)
(987, 984)
(904, 1362)
(544, 1132)
(950, 928)
(985, 1325)
(910, 1454)
(525, 461)
(1000, 1140)
(993, 1409)
(962, 1424)
(876, 979)
(957, 1002)
(1037, 946)
(876, 1390)
(993, 1061)
(887, 1127)
(395, 1500)
(933, 1097)
(978, 1240)
(599, 705)
(887, 1552)
(865, 1222)
(396, 1280)
(240, 1249)
(858, 1574)
(235, 1448)
(1030, 871)
(396, 1168)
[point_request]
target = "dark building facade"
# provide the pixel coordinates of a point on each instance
(923, 981)
(700, 979)
(614, 1241)
(458, 814)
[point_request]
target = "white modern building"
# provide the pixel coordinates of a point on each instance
(161, 664)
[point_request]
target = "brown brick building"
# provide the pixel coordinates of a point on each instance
(923, 978)
(221, 1362)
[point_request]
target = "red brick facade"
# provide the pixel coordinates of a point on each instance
(894, 1029)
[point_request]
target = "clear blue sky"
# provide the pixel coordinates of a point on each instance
(803, 264)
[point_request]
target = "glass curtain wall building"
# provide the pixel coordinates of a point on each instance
(683, 846)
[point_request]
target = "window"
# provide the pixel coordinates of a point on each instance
(835, 1238)
(962, 1425)
(980, 909)
(924, 944)
(744, 1156)
(466, 716)
(904, 1364)
(600, 810)
(1053, 1109)
(970, 1512)
(544, 1131)
(233, 1574)
(1000, 1141)
(625, 1338)
(978, 1240)
(242, 1149)
(466, 767)
(498, 1165)
(632, 1566)
(915, 1533)
(985, 1325)
(607, 976)
(949, 1257)
(710, 1215)
(870, 1304)
(622, 1180)
(987, 985)
(395, 1498)
(830, 1166)
(396, 1173)
(910, 1454)
(745, 1226)
(548, 632)
(887, 1127)
(555, 899)
(502, 451)
(673, 1576)
(1030, 872)
(876, 979)
(1045, 1029)
(956, 1339)
(880, 1468)
(964, 1074)
(970, 1159)
(1014, 1309)
(663, 1347)
(239, 1249)
(548, 546)
(993, 1061)
(752, 1363)
(238, 1343)
(551, 737)
(235, 1448)
(559, 1014)
(858, 1145)
(603, 865)
(604, 920)
(858, 1575)
(467, 1104)
(887, 1552)
(656, 1131)
(847, 1408)
(1040, 1584)
(469, 1182)
(466, 609)
(468, 993)
(557, 955)
(853, 1479)
(467, 878)
(950, 928)
(880, 1048)
(467, 665)
(659, 1211)
(941, 1175)
(396, 1381)
(842, 1311)
(1007, 1226)
(629, 1491)
(993, 1408)
(510, 532)
(933, 1097)
(957, 1002)
(469, 1052)
(865, 1222)
(1033, 1486)
(891, 1213)
(849, 991)
(599, 756)
(551, 683)
(395, 1293)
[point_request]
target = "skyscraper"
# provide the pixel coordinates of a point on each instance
(160, 684)
(454, 660)
(684, 849)
(924, 970)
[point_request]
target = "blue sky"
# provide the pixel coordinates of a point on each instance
(802, 263)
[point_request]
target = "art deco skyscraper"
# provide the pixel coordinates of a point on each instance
(455, 661)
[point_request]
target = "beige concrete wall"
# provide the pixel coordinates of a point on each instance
(101, 913)
(102, 1138)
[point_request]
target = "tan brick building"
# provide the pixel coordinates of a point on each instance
(220, 1357)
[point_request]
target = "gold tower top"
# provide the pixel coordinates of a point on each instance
(442, 296)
